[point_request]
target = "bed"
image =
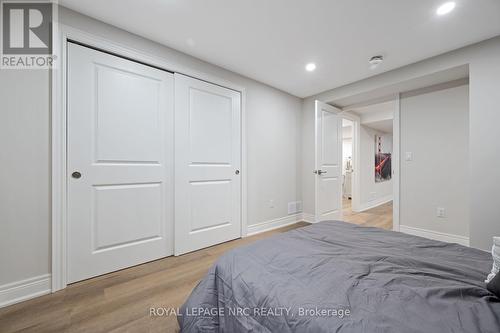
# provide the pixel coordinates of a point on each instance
(338, 277)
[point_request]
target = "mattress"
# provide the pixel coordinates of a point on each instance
(338, 277)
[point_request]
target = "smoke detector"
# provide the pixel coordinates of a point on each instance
(376, 60)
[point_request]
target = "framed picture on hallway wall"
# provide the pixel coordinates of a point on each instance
(382, 161)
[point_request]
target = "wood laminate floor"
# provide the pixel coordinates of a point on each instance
(121, 301)
(380, 216)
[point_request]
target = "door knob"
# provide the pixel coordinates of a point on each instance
(237, 172)
(76, 175)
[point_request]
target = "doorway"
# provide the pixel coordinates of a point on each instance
(376, 144)
(356, 161)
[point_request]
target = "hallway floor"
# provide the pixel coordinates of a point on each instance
(380, 216)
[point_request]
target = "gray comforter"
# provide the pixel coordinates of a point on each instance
(338, 277)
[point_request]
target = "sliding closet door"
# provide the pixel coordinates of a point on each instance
(120, 167)
(207, 164)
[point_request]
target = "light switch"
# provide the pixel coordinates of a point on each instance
(409, 156)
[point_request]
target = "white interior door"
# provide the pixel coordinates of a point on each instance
(120, 163)
(207, 164)
(328, 166)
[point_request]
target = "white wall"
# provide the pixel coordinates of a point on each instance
(308, 201)
(434, 128)
(483, 60)
(274, 152)
(24, 174)
(372, 193)
(274, 145)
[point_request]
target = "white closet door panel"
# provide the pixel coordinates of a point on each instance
(207, 162)
(120, 140)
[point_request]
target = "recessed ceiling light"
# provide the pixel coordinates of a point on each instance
(310, 67)
(446, 8)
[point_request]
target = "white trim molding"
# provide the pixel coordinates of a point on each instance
(309, 218)
(356, 157)
(23, 290)
(435, 235)
(373, 203)
(273, 224)
(396, 163)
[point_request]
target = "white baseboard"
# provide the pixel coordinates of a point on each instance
(306, 217)
(374, 203)
(23, 290)
(273, 224)
(440, 236)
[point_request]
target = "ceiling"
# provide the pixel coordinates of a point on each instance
(377, 116)
(384, 126)
(272, 40)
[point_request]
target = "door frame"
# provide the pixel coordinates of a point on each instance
(58, 76)
(396, 160)
(356, 120)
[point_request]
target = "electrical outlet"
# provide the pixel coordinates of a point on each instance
(440, 212)
(409, 156)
